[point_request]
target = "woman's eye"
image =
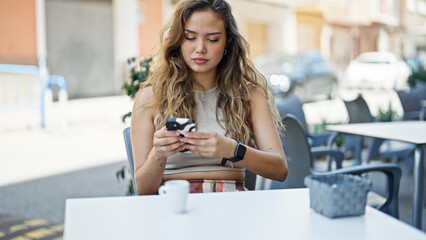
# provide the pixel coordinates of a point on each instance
(189, 38)
(213, 40)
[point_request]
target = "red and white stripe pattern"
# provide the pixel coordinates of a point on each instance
(203, 186)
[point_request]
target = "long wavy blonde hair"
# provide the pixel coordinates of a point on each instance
(172, 81)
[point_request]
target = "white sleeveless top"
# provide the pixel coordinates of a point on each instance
(206, 122)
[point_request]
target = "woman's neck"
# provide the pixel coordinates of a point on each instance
(205, 81)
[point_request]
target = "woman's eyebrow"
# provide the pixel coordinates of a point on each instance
(212, 33)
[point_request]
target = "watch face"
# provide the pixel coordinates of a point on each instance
(241, 151)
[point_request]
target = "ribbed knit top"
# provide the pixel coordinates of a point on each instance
(206, 122)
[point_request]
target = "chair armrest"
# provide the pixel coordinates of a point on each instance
(393, 173)
(353, 141)
(382, 167)
(319, 139)
(336, 154)
(413, 115)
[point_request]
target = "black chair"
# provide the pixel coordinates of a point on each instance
(299, 156)
(299, 159)
(293, 105)
(359, 112)
(411, 102)
(393, 175)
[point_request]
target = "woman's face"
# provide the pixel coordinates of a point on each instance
(204, 43)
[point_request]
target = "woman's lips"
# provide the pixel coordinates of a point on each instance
(200, 60)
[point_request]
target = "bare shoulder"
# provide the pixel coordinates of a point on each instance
(144, 96)
(142, 101)
(257, 94)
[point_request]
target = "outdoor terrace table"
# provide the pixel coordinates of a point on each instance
(405, 131)
(270, 214)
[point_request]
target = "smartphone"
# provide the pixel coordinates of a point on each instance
(182, 125)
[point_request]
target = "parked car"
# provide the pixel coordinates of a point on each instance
(377, 70)
(306, 75)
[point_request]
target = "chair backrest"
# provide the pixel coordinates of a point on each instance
(250, 180)
(358, 110)
(292, 105)
(298, 154)
(128, 143)
(411, 101)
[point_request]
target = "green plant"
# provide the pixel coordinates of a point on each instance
(339, 140)
(386, 115)
(140, 69)
(121, 174)
(418, 76)
(319, 128)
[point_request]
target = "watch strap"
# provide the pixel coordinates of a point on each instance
(236, 158)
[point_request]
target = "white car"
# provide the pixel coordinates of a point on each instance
(377, 70)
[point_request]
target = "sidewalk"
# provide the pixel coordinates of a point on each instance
(77, 155)
(93, 137)
(40, 169)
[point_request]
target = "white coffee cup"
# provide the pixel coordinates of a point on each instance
(175, 192)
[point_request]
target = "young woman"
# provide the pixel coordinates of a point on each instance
(202, 72)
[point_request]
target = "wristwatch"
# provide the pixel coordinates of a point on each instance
(240, 152)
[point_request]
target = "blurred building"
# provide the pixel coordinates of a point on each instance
(342, 29)
(413, 27)
(89, 41)
(86, 41)
(267, 25)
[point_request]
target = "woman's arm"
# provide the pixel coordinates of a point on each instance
(268, 160)
(150, 148)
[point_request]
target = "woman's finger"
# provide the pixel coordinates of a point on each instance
(169, 140)
(195, 141)
(196, 135)
(164, 133)
(171, 147)
(168, 150)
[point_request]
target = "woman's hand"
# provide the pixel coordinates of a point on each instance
(166, 143)
(209, 144)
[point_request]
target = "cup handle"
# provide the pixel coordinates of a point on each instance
(162, 190)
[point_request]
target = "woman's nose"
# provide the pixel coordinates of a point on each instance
(200, 48)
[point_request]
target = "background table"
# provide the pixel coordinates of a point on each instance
(405, 131)
(272, 214)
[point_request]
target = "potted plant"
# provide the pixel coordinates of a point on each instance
(140, 69)
(417, 77)
(386, 115)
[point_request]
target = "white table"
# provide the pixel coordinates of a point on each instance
(405, 131)
(271, 214)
